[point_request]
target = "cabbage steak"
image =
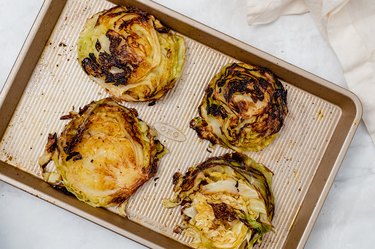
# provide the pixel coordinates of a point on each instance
(226, 202)
(243, 109)
(131, 54)
(103, 155)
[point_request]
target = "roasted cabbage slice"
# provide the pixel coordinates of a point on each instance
(103, 155)
(227, 202)
(131, 54)
(244, 108)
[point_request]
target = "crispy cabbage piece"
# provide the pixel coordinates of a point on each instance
(226, 202)
(244, 108)
(131, 54)
(103, 155)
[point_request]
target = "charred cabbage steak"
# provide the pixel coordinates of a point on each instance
(131, 54)
(244, 108)
(226, 201)
(104, 154)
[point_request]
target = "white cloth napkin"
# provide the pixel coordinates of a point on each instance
(349, 27)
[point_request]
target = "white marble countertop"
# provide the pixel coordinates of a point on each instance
(347, 218)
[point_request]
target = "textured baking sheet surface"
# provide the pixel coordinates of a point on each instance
(59, 85)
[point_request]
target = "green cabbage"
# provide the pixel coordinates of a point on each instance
(131, 54)
(226, 201)
(243, 109)
(103, 155)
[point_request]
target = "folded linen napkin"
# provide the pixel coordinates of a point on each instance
(349, 27)
(266, 11)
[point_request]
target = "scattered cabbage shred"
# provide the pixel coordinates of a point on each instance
(243, 109)
(226, 201)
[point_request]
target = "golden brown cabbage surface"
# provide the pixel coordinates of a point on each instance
(244, 108)
(103, 155)
(131, 54)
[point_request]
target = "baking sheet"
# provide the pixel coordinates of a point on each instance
(59, 85)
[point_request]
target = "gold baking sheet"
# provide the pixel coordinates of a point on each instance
(59, 85)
